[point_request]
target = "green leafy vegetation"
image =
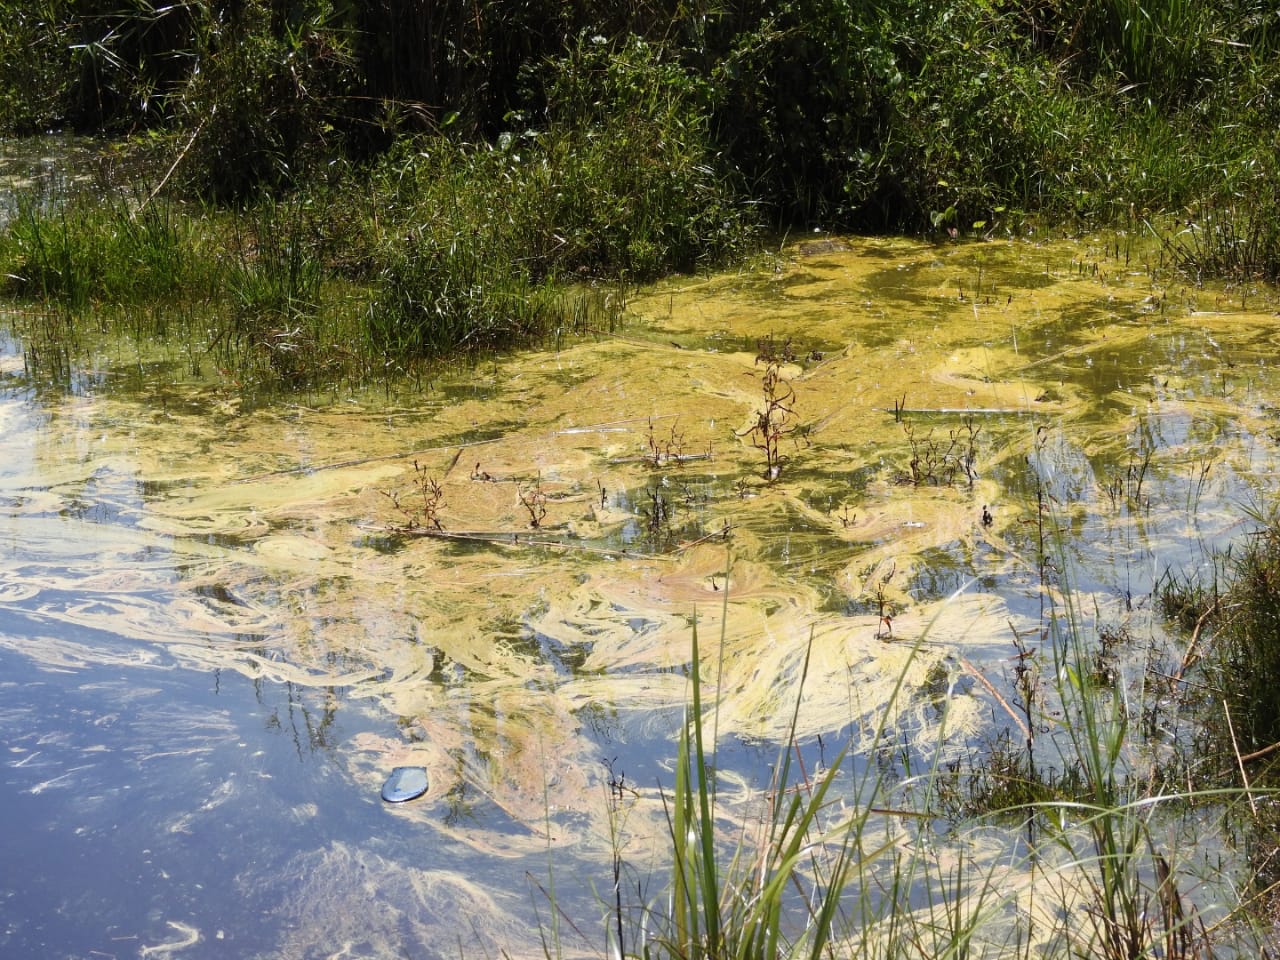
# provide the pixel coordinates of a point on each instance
(474, 179)
(848, 860)
(903, 114)
(349, 191)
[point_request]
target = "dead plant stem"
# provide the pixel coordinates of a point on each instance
(1244, 776)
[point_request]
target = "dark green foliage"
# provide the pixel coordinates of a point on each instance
(269, 101)
(621, 182)
(108, 65)
(35, 65)
(806, 107)
(634, 186)
(130, 57)
(473, 159)
(1160, 46)
(1246, 647)
(1236, 238)
(918, 114)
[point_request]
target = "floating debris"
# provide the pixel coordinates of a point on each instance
(405, 783)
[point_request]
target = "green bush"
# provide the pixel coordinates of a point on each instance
(35, 65)
(630, 181)
(619, 181)
(265, 108)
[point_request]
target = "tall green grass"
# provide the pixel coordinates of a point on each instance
(85, 251)
(903, 114)
(655, 141)
(859, 860)
(619, 186)
(783, 895)
(1236, 238)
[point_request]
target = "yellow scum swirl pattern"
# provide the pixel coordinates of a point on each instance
(259, 542)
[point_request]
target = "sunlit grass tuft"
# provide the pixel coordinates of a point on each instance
(1094, 855)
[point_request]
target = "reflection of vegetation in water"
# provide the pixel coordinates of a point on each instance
(308, 726)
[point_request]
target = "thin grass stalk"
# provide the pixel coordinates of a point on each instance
(710, 876)
(683, 908)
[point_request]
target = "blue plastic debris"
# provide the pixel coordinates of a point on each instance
(405, 783)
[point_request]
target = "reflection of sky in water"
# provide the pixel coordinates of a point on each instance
(149, 805)
(141, 805)
(158, 796)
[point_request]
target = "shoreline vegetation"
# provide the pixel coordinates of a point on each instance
(351, 191)
(317, 193)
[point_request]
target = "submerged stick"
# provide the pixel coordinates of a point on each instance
(514, 539)
(665, 458)
(977, 675)
(723, 533)
(316, 468)
(985, 411)
(1191, 654)
(587, 428)
(1259, 754)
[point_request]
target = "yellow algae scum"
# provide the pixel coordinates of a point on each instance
(850, 452)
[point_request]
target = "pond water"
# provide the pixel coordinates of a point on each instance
(218, 639)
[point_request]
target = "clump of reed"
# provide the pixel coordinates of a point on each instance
(1229, 237)
(244, 292)
(87, 251)
(1235, 641)
(867, 856)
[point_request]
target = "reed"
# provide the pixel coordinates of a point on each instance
(80, 251)
(856, 859)
(1229, 237)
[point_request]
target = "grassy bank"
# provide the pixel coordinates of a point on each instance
(899, 115)
(463, 196)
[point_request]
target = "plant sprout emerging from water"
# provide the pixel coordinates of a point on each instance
(534, 500)
(660, 512)
(425, 514)
(771, 352)
(665, 450)
(937, 462)
(775, 420)
(884, 616)
(1128, 487)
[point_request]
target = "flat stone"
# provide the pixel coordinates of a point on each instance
(405, 783)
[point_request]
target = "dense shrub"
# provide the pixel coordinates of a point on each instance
(620, 180)
(900, 114)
